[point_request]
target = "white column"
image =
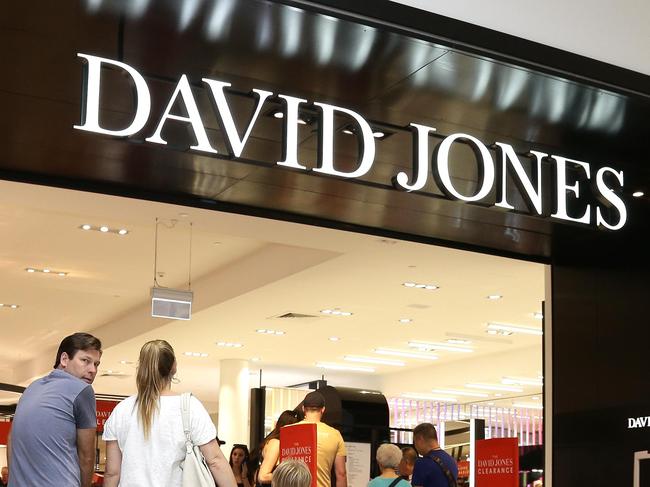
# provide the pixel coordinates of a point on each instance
(234, 399)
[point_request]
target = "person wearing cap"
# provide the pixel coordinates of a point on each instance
(330, 447)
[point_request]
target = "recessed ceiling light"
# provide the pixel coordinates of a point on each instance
(255, 359)
(416, 285)
(515, 329)
(9, 306)
(195, 354)
(302, 121)
(429, 346)
(499, 332)
(406, 353)
(535, 398)
(523, 381)
(229, 344)
(103, 229)
(494, 387)
(373, 360)
(278, 115)
(455, 392)
(336, 312)
(378, 134)
(122, 231)
(126, 362)
(47, 270)
(538, 315)
(428, 397)
(348, 131)
(458, 341)
(265, 331)
(355, 368)
(638, 194)
(86, 227)
(334, 339)
(405, 320)
(494, 297)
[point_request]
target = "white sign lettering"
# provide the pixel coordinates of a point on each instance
(642, 422)
(569, 180)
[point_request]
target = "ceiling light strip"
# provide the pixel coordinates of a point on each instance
(494, 387)
(354, 368)
(455, 392)
(406, 353)
(515, 329)
(439, 346)
(428, 397)
(373, 360)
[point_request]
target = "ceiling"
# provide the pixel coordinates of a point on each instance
(246, 272)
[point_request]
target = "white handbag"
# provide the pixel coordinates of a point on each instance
(195, 471)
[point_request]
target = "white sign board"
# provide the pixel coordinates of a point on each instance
(358, 464)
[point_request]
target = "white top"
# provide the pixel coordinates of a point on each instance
(156, 461)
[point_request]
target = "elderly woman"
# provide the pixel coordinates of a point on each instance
(388, 457)
(291, 473)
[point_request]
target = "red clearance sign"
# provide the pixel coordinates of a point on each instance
(463, 469)
(497, 463)
(298, 442)
(104, 410)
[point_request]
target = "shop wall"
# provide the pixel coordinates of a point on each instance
(599, 357)
(565, 25)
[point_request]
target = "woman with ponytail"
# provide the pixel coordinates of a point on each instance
(145, 442)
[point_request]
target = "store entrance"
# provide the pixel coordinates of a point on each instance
(446, 336)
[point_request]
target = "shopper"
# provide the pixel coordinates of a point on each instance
(436, 468)
(238, 461)
(270, 448)
(4, 477)
(145, 442)
(330, 449)
(388, 457)
(291, 473)
(52, 438)
(409, 456)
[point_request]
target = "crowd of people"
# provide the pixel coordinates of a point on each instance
(54, 428)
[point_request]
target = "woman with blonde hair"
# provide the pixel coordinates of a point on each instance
(145, 441)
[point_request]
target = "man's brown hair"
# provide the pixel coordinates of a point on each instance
(426, 431)
(75, 342)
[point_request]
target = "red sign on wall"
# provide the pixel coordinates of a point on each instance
(497, 462)
(104, 410)
(5, 426)
(463, 469)
(298, 442)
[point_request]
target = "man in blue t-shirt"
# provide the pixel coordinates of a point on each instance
(52, 439)
(436, 468)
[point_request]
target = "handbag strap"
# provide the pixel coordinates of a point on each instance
(450, 478)
(185, 414)
(395, 482)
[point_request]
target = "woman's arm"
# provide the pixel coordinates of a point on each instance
(271, 454)
(113, 464)
(219, 466)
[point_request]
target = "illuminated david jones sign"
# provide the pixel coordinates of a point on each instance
(489, 172)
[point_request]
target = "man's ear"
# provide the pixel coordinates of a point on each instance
(64, 360)
(322, 411)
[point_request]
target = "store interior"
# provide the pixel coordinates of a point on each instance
(417, 322)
